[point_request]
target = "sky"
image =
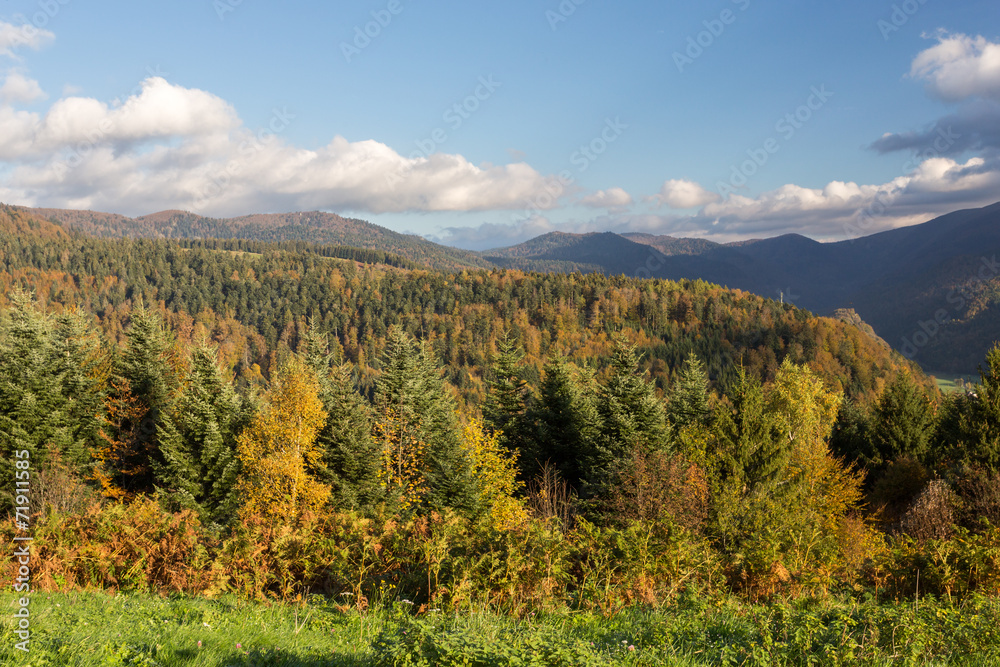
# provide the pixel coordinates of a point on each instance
(483, 124)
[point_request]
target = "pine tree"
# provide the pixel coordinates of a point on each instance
(631, 416)
(198, 442)
(902, 422)
(565, 424)
(350, 461)
(144, 388)
(412, 399)
(506, 389)
(51, 388)
(688, 403)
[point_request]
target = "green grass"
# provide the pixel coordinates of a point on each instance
(949, 382)
(94, 629)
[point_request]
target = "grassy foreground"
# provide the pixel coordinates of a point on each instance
(145, 630)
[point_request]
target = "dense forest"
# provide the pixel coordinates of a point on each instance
(278, 418)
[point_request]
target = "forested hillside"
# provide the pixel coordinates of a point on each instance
(251, 296)
(311, 226)
(287, 419)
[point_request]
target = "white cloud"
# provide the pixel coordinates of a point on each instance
(173, 147)
(681, 193)
(612, 198)
(19, 36)
(838, 211)
(19, 88)
(959, 67)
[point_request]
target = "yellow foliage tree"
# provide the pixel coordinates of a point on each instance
(495, 470)
(824, 492)
(279, 448)
(400, 473)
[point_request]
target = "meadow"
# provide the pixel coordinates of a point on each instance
(99, 629)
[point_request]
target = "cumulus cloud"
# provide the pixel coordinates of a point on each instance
(612, 198)
(959, 67)
(18, 88)
(167, 146)
(22, 36)
(681, 193)
(840, 210)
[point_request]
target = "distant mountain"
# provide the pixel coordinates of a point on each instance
(312, 226)
(931, 290)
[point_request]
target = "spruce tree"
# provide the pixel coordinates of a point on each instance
(350, 455)
(565, 423)
(631, 416)
(902, 423)
(688, 403)
(198, 469)
(412, 393)
(752, 451)
(506, 389)
(144, 387)
(51, 390)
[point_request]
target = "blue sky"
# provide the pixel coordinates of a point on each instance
(483, 124)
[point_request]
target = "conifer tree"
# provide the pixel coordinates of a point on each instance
(412, 399)
(631, 416)
(969, 429)
(351, 456)
(197, 442)
(751, 451)
(565, 424)
(688, 403)
(902, 422)
(51, 387)
(506, 389)
(143, 390)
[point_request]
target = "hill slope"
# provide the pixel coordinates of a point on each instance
(938, 281)
(312, 226)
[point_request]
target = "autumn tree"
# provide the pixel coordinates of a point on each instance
(278, 450)
(496, 472)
